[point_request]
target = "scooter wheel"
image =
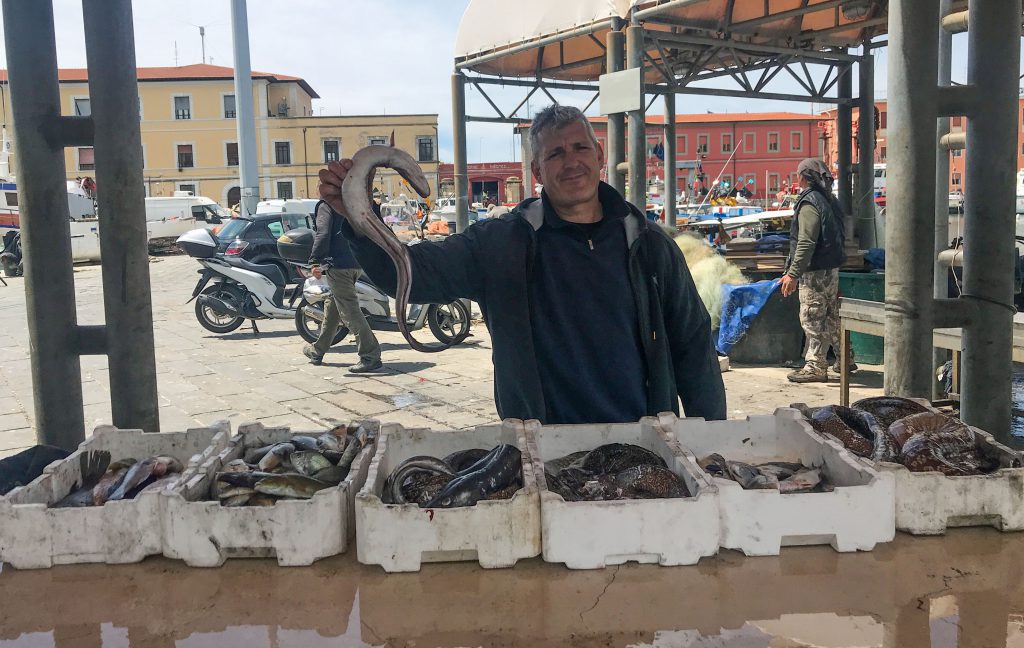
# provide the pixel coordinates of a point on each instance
(449, 322)
(215, 321)
(309, 327)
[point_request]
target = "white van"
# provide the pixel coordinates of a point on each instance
(287, 206)
(169, 218)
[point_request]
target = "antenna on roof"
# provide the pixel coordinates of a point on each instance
(175, 53)
(202, 38)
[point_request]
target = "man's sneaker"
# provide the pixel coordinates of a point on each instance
(806, 375)
(314, 357)
(366, 366)
(853, 368)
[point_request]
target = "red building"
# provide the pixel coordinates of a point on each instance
(757, 150)
(500, 182)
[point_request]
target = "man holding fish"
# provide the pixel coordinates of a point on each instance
(593, 315)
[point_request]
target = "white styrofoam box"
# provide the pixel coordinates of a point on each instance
(590, 535)
(32, 535)
(855, 516)
(298, 532)
(399, 537)
(927, 503)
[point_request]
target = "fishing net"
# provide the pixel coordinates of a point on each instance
(710, 271)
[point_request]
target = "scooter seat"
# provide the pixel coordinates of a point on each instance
(268, 270)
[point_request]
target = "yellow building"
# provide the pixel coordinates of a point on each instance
(189, 136)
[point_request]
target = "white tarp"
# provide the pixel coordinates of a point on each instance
(493, 24)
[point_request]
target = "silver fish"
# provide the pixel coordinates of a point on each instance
(276, 456)
(308, 463)
(296, 486)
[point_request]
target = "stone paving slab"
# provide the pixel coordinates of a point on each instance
(244, 377)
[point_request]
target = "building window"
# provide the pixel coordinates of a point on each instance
(958, 121)
(726, 181)
(86, 159)
(683, 143)
(959, 152)
(702, 145)
(232, 153)
(185, 158)
(956, 179)
(284, 190)
(183, 107)
(83, 107)
(773, 142)
(773, 182)
(282, 152)
(332, 150)
(883, 120)
(190, 188)
(726, 142)
(425, 149)
(882, 153)
(229, 107)
(796, 141)
(377, 140)
(749, 142)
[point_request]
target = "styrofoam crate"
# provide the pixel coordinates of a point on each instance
(858, 514)
(927, 503)
(591, 535)
(399, 537)
(32, 535)
(298, 532)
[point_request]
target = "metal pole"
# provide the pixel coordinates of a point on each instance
(616, 44)
(941, 272)
(459, 142)
(670, 159)
(989, 222)
(864, 197)
(909, 309)
(637, 123)
(527, 152)
(244, 117)
(844, 146)
(121, 205)
(45, 233)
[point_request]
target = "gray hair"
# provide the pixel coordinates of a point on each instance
(555, 117)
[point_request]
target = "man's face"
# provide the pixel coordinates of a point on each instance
(568, 164)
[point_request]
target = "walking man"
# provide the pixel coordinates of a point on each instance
(817, 239)
(332, 259)
(593, 315)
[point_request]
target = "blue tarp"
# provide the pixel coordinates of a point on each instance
(740, 307)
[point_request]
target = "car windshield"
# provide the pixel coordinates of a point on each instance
(233, 228)
(218, 211)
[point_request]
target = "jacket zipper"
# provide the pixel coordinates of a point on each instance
(590, 242)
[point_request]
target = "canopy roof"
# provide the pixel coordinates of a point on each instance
(565, 40)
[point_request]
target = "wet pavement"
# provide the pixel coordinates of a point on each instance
(963, 590)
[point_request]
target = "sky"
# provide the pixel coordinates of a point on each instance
(366, 57)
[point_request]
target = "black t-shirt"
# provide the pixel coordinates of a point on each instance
(584, 320)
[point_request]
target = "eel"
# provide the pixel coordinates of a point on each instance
(365, 222)
(468, 488)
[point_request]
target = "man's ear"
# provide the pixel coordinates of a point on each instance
(535, 168)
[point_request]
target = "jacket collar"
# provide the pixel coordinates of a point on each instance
(532, 210)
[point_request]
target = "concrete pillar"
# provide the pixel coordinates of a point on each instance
(670, 159)
(844, 147)
(989, 220)
(121, 204)
(459, 142)
(616, 153)
(45, 233)
(637, 124)
(244, 118)
(913, 67)
(941, 272)
(527, 152)
(864, 197)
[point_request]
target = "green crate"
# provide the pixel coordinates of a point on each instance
(870, 286)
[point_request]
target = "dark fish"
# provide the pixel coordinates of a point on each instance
(889, 409)
(334, 456)
(647, 481)
(91, 466)
(110, 481)
(246, 480)
(356, 442)
(332, 475)
(254, 455)
(302, 442)
(467, 489)
(463, 459)
(749, 477)
(555, 465)
(276, 457)
(164, 482)
(616, 457)
(781, 469)
(835, 421)
(421, 463)
(295, 486)
(508, 491)
(935, 442)
(419, 488)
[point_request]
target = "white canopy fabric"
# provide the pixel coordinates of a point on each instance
(500, 27)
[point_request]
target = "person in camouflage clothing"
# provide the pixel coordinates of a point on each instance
(817, 239)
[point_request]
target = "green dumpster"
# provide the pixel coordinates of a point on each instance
(870, 286)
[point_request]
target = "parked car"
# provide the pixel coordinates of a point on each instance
(254, 238)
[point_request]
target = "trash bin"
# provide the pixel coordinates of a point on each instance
(870, 286)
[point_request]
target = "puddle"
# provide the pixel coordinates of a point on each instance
(956, 591)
